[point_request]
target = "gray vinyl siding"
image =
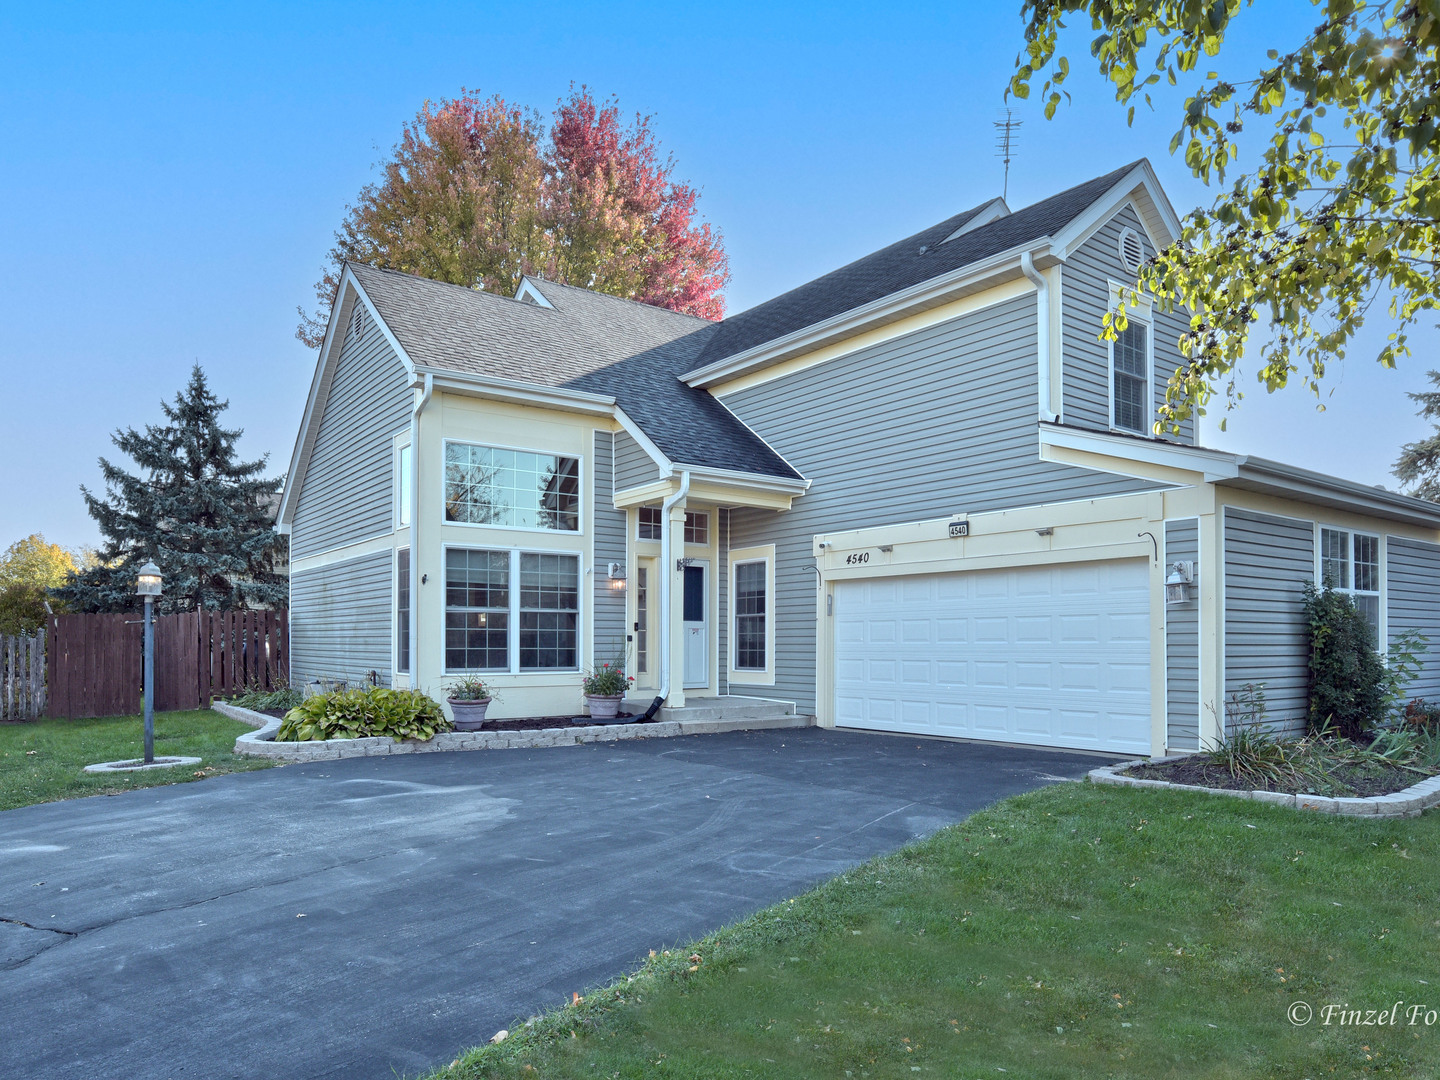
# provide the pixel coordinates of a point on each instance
(347, 494)
(1182, 643)
(633, 466)
(1268, 560)
(1085, 297)
(939, 421)
(1412, 586)
(341, 620)
(609, 547)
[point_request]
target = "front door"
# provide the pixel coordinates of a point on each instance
(696, 623)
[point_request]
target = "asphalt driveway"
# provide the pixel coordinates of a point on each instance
(369, 918)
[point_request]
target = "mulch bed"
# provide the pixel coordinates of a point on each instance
(1351, 781)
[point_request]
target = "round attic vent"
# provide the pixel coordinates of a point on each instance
(1132, 251)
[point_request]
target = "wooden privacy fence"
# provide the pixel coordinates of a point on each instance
(95, 661)
(22, 676)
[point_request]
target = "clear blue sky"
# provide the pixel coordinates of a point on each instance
(172, 175)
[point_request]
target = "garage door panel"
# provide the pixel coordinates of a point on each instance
(1044, 655)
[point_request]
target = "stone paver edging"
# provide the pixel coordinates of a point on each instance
(261, 743)
(1406, 803)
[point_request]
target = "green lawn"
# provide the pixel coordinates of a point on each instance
(1079, 931)
(42, 761)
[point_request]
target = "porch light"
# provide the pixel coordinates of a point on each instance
(1177, 583)
(617, 577)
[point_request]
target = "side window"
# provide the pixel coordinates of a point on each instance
(402, 610)
(649, 527)
(1350, 563)
(404, 473)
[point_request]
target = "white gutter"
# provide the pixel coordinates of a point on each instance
(667, 575)
(413, 658)
(1042, 315)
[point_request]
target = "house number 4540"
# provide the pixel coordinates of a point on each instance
(857, 558)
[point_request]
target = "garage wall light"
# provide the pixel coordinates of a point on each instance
(1178, 579)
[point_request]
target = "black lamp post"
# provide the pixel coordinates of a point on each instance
(148, 586)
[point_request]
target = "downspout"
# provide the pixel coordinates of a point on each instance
(667, 575)
(414, 657)
(1042, 315)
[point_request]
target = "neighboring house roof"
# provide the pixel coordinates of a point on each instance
(930, 253)
(583, 341)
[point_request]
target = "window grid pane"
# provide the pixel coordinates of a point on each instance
(549, 612)
(488, 486)
(1129, 350)
(642, 621)
(750, 604)
(477, 610)
(649, 523)
(697, 528)
(1335, 558)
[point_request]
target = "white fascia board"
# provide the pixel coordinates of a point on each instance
(1304, 485)
(384, 327)
(646, 443)
(529, 291)
(519, 393)
(1142, 186)
(736, 478)
(889, 308)
(1132, 455)
(994, 210)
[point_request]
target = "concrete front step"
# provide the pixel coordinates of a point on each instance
(709, 710)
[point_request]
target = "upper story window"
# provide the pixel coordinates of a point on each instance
(1130, 378)
(404, 471)
(485, 485)
(649, 523)
(1350, 563)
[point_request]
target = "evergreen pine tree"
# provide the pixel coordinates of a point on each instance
(203, 516)
(1419, 464)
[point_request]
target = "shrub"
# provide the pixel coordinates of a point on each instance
(1251, 750)
(356, 714)
(1348, 679)
(1420, 715)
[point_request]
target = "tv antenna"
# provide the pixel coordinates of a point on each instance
(1007, 134)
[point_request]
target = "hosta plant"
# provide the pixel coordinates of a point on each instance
(357, 714)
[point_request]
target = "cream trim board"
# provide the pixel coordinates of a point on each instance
(582, 480)
(582, 613)
(923, 320)
(761, 553)
(1299, 510)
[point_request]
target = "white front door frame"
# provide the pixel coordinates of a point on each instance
(695, 659)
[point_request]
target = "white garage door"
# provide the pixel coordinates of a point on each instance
(1049, 655)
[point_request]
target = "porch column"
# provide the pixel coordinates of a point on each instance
(674, 617)
(1212, 599)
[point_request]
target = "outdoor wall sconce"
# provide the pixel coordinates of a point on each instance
(1177, 583)
(617, 576)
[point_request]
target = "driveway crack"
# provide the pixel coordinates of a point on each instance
(47, 929)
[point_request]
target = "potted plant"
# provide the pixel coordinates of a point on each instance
(604, 688)
(469, 698)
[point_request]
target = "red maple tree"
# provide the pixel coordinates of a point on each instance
(480, 192)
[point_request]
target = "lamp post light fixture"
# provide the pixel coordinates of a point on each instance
(148, 586)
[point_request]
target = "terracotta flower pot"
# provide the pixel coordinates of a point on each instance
(469, 713)
(603, 707)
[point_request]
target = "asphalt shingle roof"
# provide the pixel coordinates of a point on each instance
(588, 341)
(900, 266)
(636, 353)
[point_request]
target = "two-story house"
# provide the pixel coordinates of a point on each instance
(918, 494)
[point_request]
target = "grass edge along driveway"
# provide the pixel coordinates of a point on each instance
(1075, 931)
(43, 760)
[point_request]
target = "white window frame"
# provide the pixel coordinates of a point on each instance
(1382, 631)
(403, 472)
(747, 676)
(513, 640)
(1134, 313)
(692, 518)
(581, 480)
(401, 580)
(641, 524)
